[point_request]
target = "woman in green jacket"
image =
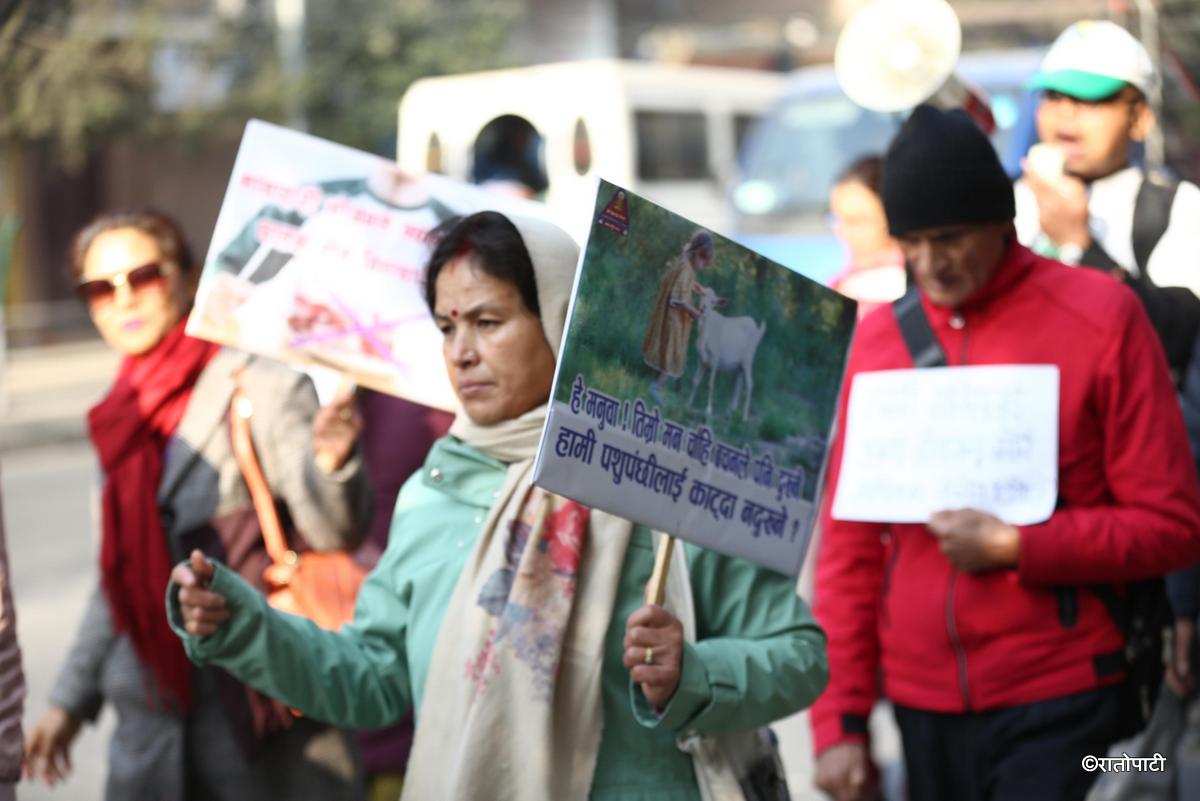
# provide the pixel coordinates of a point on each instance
(512, 620)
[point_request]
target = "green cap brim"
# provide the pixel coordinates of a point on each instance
(1077, 83)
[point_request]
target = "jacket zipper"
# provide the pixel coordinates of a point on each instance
(958, 321)
(960, 654)
(887, 576)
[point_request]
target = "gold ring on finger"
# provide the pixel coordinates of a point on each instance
(649, 656)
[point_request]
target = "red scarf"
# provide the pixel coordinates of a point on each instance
(129, 430)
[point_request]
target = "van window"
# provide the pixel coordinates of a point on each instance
(433, 154)
(581, 149)
(509, 150)
(742, 123)
(810, 141)
(671, 145)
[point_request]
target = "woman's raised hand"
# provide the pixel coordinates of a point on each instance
(654, 652)
(48, 746)
(336, 428)
(203, 610)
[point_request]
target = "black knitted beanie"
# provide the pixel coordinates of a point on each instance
(940, 169)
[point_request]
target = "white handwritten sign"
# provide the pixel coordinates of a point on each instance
(921, 441)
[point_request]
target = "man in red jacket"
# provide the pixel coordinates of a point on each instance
(998, 655)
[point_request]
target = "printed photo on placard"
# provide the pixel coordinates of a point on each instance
(317, 258)
(697, 385)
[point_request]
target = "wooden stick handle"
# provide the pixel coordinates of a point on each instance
(346, 385)
(656, 587)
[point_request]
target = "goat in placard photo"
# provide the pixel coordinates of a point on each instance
(725, 344)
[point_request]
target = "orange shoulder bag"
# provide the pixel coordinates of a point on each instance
(319, 585)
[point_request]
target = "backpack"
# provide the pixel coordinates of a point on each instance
(1173, 311)
(1145, 617)
(1141, 609)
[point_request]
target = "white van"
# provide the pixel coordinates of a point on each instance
(669, 132)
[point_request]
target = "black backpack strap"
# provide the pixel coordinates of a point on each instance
(1151, 216)
(918, 334)
(1173, 311)
(1114, 605)
(1098, 258)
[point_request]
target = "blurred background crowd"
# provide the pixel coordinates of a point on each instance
(113, 102)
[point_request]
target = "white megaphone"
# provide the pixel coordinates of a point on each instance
(896, 54)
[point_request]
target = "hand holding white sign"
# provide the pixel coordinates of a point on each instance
(919, 442)
(975, 541)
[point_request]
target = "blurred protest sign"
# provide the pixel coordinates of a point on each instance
(640, 423)
(318, 255)
(924, 441)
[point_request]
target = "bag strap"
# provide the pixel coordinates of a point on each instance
(918, 334)
(1114, 605)
(1151, 216)
(240, 410)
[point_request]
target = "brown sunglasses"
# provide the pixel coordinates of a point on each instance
(100, 291)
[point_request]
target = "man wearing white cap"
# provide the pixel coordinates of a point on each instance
(1081, 201)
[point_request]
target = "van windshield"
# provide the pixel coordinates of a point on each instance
(803, 146)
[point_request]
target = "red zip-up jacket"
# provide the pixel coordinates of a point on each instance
(946, 641)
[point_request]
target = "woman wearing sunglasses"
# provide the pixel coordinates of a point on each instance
(171, 484)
